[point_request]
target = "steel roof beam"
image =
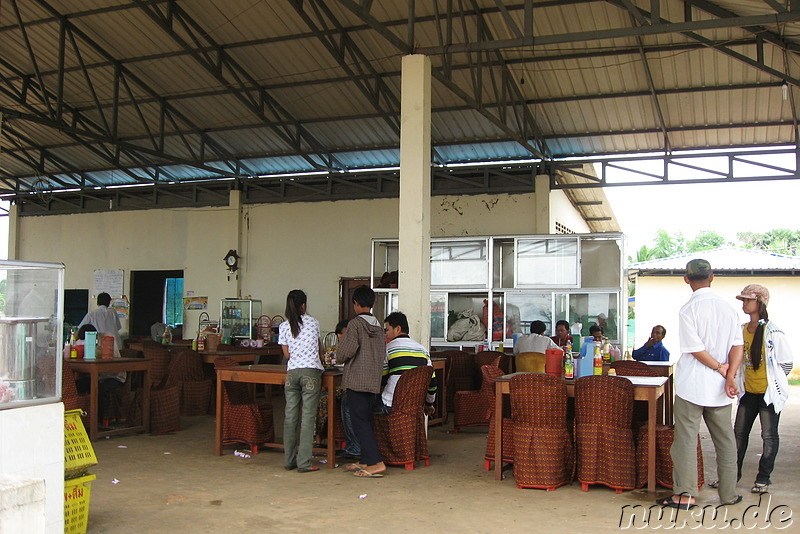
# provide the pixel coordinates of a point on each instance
(179, 26)
(745, 23)
(444, 76)
(121, 70)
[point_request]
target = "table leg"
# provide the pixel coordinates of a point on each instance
(94, 385)
(498, 433)
(669, 397)
(442, 394)
(329, 385)
(218, 422)
(146, 401)
(651, 440)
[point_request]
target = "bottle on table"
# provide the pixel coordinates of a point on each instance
(606, 350)
(598, 359)
(569, 365)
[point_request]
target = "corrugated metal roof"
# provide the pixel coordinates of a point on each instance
(233, 79)
(722, 259)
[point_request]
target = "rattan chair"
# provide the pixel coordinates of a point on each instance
(508, 426)
(492, 357)
(543, 454)
(603, 435)
(459, 374)
(401, 434)
(245, 420)
(474, 408)
(165, 402)
(530, 362)
(633, 368)
(195, 396)
(69, 394)
(664, 437)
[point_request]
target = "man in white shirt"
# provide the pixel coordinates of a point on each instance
(535, 341)
(711, 344)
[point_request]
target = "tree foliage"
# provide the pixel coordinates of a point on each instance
(780, 241)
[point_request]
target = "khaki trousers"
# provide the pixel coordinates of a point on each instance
(684, 447)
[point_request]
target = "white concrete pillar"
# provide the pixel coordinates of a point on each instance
(13, 232)
(414, 279)
(541, 202)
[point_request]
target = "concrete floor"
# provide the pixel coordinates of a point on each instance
(174, 483)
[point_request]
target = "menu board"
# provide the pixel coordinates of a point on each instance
(108, 281)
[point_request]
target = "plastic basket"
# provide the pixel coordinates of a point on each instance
(76, 504)
(78, 452)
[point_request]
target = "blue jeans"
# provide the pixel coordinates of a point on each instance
(302, 388)
(361, 406)
(352, 448)
(752, 405)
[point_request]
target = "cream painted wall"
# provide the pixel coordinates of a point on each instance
(283, 246)
(659, 299)
(562, 211)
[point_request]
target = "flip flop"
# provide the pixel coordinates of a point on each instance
(667, 501)
(363, 473)
(308, 469)
(353, 467)
(737, 500)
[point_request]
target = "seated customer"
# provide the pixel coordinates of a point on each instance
(562, 337)
(596, 332)
(535, 341)
(653, 350)
(106, 382)
(402, 354)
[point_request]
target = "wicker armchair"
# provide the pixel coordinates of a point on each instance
(165, 393)
(195, 396)
(543, 454)
(69, 393)
(664, 437)
(492, 357)
(245, 420)
(474, 408)
(492, 373)
(401, 434)
(459, 373)
(603, 434)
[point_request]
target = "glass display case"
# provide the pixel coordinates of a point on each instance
(238, 318)
(510, 281)
(31, 320)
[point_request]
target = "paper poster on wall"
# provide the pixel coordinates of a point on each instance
(121, 307)
(108, 281)
(195, 303)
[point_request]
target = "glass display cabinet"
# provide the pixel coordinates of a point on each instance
(31, 320)
(238, 318)
(510, 281)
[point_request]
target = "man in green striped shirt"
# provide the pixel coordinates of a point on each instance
(402, 354)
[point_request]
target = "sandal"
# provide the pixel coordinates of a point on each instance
(668, 501)
(713, 484)
(759, 487)
(737, 500)
(363, 473)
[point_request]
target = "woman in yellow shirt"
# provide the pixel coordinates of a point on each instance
(767, 362)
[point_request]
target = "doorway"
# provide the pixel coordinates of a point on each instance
(156, 296)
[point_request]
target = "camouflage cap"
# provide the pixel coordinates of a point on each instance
(698, 267)
(755, 291)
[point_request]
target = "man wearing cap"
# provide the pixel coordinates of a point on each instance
(711, 344)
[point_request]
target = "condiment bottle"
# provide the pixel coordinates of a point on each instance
(606, 350)
(569, 365)
(598, 359)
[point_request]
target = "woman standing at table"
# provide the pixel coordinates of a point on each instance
(298, 336)
(762, 382)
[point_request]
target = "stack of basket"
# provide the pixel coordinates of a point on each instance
(78, 458)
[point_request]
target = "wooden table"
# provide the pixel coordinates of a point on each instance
(440, 365)
(275, 374)
(241, 356)
(666, 369)
(93, 368)
(645, 388)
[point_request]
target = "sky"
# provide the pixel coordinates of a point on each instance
(725, 208)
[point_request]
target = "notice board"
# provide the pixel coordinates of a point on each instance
(108, 281)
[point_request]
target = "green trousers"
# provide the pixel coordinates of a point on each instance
(684, 448)
(302, 398)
